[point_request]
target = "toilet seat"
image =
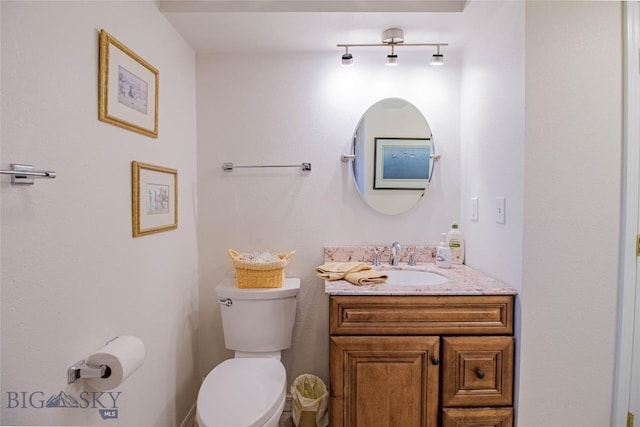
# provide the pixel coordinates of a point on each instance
(242, 392)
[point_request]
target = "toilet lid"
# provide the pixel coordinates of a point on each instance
(241, 392)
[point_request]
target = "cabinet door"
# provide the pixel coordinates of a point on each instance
(384, 381)
(477, 371)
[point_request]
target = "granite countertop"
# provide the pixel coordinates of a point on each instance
(463, 280)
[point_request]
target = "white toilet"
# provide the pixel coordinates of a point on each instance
(250, 389)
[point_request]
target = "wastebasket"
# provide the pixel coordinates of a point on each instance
(310, 398)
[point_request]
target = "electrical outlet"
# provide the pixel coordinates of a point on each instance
(501, 203)
(474, 209)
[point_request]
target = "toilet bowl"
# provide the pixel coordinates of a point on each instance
(243, 393)
(250, 389)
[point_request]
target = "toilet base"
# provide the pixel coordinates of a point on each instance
(275, 419)
(271, 422)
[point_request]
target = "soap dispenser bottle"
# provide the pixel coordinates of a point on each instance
(443, 254)
(455, 240)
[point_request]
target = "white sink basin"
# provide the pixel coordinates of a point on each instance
(413, 278)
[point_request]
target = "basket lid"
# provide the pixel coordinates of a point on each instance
(228, 289)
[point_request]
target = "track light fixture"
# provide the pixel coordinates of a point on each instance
(393, 37)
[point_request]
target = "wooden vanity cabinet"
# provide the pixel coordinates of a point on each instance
(421, 361)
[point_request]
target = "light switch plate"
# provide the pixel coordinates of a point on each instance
(501, 203)
(474, 209)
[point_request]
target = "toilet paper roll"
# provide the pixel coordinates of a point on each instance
(122, 355)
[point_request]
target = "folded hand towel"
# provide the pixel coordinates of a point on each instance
(368, 277)
(338, 270)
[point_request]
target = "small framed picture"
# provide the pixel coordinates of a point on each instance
(402, 163)
(154, 198)
(128, 88)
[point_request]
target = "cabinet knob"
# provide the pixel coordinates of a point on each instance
(480, 373)
(435, 361)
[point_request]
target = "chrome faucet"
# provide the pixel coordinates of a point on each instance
(395, 252)
(412, 260)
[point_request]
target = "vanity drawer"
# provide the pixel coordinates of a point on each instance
(467, 417)
(421, 315)
(477, 371)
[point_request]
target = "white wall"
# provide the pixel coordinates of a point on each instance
(293, 108)
(492, 135)
(492, 130)
(0, 206)
(66, 242)
(571, 212)
(72, 275)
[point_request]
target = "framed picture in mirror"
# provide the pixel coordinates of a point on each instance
(402, 163)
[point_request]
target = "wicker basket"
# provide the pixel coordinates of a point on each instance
(251, 274)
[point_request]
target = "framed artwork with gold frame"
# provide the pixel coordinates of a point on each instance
(128, 88)
(154, 198)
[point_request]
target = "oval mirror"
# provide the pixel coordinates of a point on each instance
(392, 156)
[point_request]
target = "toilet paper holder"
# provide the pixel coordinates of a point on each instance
(80, 369)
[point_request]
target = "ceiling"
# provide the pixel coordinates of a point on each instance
(217, 26)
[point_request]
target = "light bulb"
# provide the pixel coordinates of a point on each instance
(437, 59)
(347, 60)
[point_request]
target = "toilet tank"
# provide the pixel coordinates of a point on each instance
(258, 320)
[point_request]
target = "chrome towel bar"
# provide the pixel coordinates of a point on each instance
(24, 174)
(228, 167)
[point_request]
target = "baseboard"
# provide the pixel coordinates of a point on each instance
(190, 419)
(288, 403)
